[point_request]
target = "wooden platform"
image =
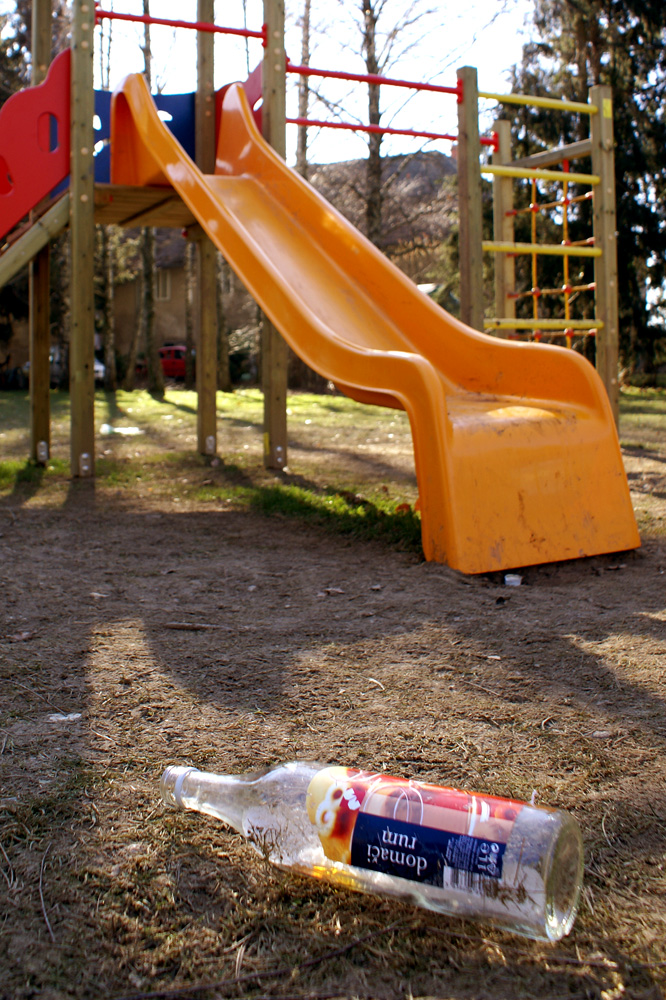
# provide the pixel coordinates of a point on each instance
(124, 205)
(114, 204)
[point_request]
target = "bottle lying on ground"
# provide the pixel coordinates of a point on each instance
(455, 852)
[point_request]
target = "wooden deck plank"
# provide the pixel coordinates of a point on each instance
(126, 205)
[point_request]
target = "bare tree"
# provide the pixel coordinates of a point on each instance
(189, 314)
(223, 369)
(155, 374)
(387, 31)
(304, 94)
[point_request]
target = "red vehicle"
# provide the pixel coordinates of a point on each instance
(172, 358)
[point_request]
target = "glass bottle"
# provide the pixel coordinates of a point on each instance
(455, 852)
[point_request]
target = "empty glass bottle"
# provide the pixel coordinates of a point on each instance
(455, 852)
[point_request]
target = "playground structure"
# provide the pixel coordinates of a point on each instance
(599, 245)
(515, 445)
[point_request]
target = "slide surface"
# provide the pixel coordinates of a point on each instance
(515, 447)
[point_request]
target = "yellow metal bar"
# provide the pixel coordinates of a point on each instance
(540, 175)
(550, 249)
(543, 324)
(542, 102)
(535, 194)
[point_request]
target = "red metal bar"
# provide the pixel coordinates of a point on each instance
(100, 14)
(369, 78)
(377, 129)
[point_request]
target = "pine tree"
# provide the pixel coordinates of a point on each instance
(14, 50)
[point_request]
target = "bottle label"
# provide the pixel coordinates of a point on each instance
(425, 833)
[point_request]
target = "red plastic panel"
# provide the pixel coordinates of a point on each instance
(252, 88)
(34, 143)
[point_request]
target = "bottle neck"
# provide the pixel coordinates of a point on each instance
(219, 795)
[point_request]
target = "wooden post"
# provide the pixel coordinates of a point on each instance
(469, 201)
(503, 228)
(39, 274)
(206, 365)
(274, 348)
(605, 237)
(82, 231)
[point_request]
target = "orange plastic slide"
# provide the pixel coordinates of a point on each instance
(516, 452)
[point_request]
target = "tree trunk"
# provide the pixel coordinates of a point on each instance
(155, 374)
(373, 205)
(223, 372)
(108, 323)
(189, 315)
(129, 381)
(303, 94)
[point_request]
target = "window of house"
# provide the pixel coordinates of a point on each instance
(163, 285)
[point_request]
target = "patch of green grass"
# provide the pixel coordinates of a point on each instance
(332, 509)
(13, 409)
(642, 417)
(17, 473)
(633, 399)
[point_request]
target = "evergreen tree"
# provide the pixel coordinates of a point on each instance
(14, 50)
(580, 43)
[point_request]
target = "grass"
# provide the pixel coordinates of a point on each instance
(642, 417)
(148, 447)
(351, 466)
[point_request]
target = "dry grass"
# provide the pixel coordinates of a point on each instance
(556, 686)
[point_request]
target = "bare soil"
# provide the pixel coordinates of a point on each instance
(140, 629)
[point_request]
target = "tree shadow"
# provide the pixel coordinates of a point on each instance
(258, 605)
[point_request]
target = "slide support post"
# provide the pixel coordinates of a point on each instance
(605, 237)
(273, 347)
(469, 201)
(206, 365)
(39, 274)
(82, 234)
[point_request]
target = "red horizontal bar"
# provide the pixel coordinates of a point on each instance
(369, 78)
(100, 13)
(376, 129)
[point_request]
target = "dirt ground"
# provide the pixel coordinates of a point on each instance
(142, 630)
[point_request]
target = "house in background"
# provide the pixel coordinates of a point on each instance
(170, 294)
